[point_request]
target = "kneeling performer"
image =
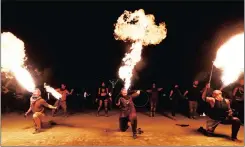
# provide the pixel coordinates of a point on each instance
(220, 112)
(37, 104)
(127, 112)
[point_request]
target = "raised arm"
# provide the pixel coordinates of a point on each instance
(171, 93)
(234, 92)
(204, 94)
(69, 93)
(186, 92)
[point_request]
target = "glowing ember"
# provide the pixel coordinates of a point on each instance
(51, 90)
(13, 58)
(230, 59)
(141, 30)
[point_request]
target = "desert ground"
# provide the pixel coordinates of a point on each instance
(85, 128)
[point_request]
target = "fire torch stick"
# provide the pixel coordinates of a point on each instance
(211, 73)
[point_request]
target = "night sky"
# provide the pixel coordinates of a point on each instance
(75, 39)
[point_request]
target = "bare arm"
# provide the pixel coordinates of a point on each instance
(186, 92)
(70, 93)
(229, 107)
(118, 103)
(99, 92)
(28, 111)
(148, 91)
(171, 93)
(234, 92)
(204, 94)
(107, 91)
(44, 103)
(159, 89)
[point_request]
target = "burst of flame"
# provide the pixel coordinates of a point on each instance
(13, 58)
(230, 59)
(51, 90)
(142, 31)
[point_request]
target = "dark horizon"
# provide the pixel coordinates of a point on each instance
(75, 39)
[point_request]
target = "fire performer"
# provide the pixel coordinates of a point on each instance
(62, 102)
(193, 94)
(220, 112)
(238, 100)
(154, 98)
(103, 97)
(127, 111)
(37, 104)
(174, 96)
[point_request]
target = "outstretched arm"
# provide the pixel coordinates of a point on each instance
(159, 89)
(149, 91)
(44, 103)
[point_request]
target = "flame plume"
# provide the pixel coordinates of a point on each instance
(141, 30)
(51, 90)
(230, 59)
(13, 58)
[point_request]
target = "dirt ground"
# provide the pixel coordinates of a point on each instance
(87, 129)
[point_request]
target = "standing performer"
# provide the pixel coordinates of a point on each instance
(220, 112)
(154, 99)
(103, 96)
(127, 112)
(37, 104)
(193, 94)
(175, 95)
(238, 100)
(62, 102)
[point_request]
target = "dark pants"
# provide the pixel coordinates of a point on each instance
(235, 122)
(123, 124)
(192, 108)
(239, 107)
(174, 106)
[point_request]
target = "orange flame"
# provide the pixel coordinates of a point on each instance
(230, 59)
(13, 58)
(51, 90)
(141, 30)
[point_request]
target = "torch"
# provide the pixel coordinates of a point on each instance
(211, 72)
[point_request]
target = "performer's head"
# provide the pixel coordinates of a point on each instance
(195, 83)
(124, 92)
(36, 93)
(63, 86)
(176, 86)
(103, 84)
(153, 85)
(241, 82)
(217, 94)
